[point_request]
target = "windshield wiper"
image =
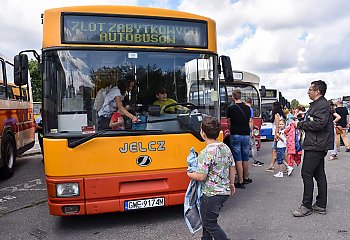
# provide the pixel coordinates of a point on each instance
(87, 138)
(102, 132)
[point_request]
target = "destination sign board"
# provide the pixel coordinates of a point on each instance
(346, 98)
(136, 30)
(271, 93)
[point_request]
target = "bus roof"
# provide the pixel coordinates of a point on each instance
(129, 10)
(52, 21)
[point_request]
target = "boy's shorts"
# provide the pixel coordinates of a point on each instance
(280, 155)
(240, 145)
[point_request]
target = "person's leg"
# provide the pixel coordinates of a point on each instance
(254, 150)
(245, 145)
(274, 156)
(280, 167)
(210, 208)
(310, 163)
(321, 179)
(337, 140)
(203, 213)
(237, 155)
(280, 157)
(345, 139)
(334, 152)
(239, 168)
(40, 139)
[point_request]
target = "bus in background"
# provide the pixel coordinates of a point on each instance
(87, 48)
(346, 102)
(16, 118)
(268, 97)
(248, 83)
(36, 109)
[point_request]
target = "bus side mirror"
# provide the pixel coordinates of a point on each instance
(263, 91)
(21, 69)
(227, 68)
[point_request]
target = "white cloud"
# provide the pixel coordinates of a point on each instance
(292, 43)
(21, 26)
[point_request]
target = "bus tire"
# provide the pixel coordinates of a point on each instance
(8, 157)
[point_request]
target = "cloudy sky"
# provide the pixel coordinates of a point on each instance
(288, 43)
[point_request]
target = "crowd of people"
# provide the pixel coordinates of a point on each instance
(313, 132)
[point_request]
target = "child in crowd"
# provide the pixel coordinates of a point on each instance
(294, 150)
(280, 139)
(117, 121)
(216, 169)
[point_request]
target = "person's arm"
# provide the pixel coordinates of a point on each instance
(317, 120)
(276, 120)
(197, 176)
(337, 117)
(228, 119)
(232, 172)
(228, 123)
(120, 106)
(38, 127)
(251, 125)
(278, 137)
(116, 122)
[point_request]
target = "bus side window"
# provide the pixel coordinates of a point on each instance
(2, 87)
(10, 92)
(2, 92)
(24, 93)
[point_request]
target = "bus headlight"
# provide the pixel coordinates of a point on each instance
(256, 132)
(67, 190)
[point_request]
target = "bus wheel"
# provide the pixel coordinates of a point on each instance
(8, 157)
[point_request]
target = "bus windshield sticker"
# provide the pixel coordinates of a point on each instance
(114, 29)
(132, 55)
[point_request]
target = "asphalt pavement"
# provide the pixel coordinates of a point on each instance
(262, 211)
(34, 150)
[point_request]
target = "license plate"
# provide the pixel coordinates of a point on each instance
(262, 137)
(144, 203)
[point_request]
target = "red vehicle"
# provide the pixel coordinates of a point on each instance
(248, 83)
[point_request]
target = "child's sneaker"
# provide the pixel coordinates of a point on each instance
(333, 157)
(279, 175)
(289, 170)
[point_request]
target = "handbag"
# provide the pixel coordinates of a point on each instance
(338, 130)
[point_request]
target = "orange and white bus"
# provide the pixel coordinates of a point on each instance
(89, 47)
(16, 118)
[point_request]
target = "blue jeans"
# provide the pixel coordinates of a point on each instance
(240, 145)
(209, 210)
(280, 155)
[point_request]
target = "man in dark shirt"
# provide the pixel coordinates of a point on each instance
(343, 123)
(318, 129)
(238, 117)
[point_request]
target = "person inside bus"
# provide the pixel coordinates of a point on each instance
(39, 129)
(117, 121)
(10, 121)
(114, 101)
(163, 101)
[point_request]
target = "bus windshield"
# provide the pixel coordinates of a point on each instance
(72, 79)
